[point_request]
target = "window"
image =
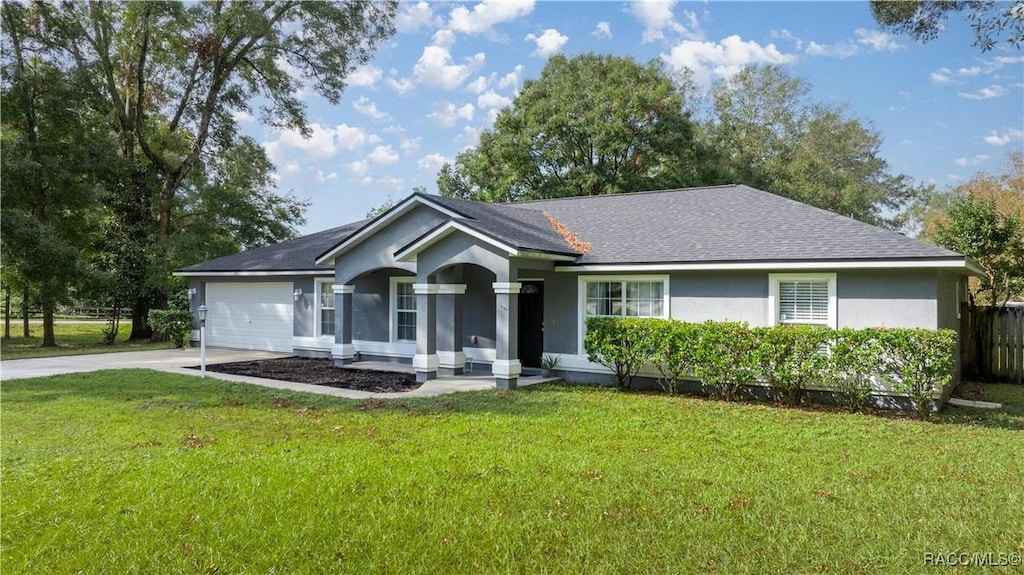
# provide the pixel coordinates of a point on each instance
(403, 305)
(626, 297)
(326, 308)
(803, 299)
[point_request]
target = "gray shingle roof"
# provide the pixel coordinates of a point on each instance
(723, 224)
(732, 223)
(298, 254)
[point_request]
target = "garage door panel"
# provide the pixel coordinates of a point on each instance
(250, 315)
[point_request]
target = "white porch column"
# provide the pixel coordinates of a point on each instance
(343, 351)
(425, 361)
(506, 367)
(451, 358)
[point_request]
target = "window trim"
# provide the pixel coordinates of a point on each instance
(393, 307)
(322, 286)
(773, 296)
(581, 297)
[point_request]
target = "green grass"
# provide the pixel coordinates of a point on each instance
(142, 472)
(72, 339)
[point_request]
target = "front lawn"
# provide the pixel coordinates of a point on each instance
(144, 472)
(72, 339)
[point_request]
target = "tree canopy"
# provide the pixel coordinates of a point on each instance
(591, 124)
(770, 134)
(924, 20)
(166, 80)
(983, 218)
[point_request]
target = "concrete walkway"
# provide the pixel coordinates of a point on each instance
(178, 361)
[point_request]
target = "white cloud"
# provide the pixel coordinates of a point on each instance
(326, 177)
(602, 31)
(447, 114)
(388, 182)
(479, 85)
(400, 85)
(323, 142)
(242, 117)
(785, 34)
(492, 99)
(657, 17)
(364, 76)
(383, 155)
(291, 168)
(993, 91)
(972, 71)
(485, 15)
(433, 162)
(976, 160)
(549, 43)
(470, 136)
(723, 59)
(358, 168)
(368, 107)
(942, 76)
(1009, 135)
(513, 78)
(411, 17)
(878, 41)
(839, 50)
(435, 67)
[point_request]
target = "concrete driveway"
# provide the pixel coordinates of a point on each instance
(178, 360)
(163, 360)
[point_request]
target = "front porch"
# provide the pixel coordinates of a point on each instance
(468, 380)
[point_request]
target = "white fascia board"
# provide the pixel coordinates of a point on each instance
(951, 263)
(442, 232)
(325, 273)
(402, 208)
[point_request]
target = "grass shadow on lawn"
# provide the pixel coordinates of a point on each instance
(1010, 416)
(148, 387)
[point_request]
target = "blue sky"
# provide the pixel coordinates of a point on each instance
(944, 109)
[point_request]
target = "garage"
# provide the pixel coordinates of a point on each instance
(250, 315)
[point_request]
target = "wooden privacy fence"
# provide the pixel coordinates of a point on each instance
(992, 343)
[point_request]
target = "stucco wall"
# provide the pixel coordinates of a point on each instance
(720, 296)
(371, 304)
(887, 298)
(378, 250)
(478, 320)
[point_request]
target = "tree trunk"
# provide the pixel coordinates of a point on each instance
(48, 339)
(24, 314)
(7, 314)
(140, 321)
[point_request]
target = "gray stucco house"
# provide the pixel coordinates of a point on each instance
(443, 283)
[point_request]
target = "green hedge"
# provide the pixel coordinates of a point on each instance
(175, 323)
(726, 356)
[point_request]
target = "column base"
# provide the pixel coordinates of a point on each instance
(450, 371)
(506, 382)
(422, 376)
(343, 361)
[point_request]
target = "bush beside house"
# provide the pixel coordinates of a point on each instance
(727, 357)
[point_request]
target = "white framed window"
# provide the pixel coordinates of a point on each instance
(802, 299)
(622, 296)
(325, 309)
(403, 309)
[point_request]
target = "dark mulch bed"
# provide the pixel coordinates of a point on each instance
(321, 372)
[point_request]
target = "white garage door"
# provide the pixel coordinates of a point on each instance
(250, 315)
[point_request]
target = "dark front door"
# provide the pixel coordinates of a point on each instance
(531, 323)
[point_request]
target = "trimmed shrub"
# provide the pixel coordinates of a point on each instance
(675, 348)
(724, 358)
(175, 323)
(854, 357)
(790, 357)
(623, 345)
(918, 362)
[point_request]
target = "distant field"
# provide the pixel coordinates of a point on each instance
(136, 471)
(73, 338)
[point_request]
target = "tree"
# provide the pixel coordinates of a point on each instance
(54, 160)
(173, 74)
(591, 124)
(771, 135)
(924, 20)
(984, 220)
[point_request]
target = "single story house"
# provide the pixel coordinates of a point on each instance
(443, 283)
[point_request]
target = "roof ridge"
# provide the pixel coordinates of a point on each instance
(621, 194)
